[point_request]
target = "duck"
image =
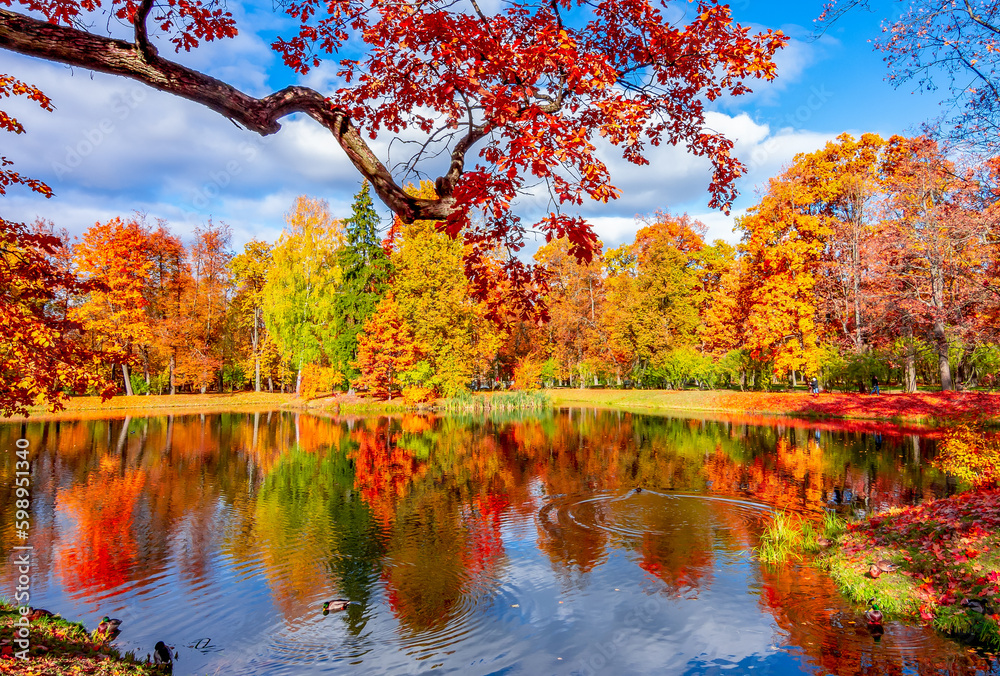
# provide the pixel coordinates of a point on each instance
(109, 626)
(874, 571)
(335, 605)
(39, 613)
(873, 615)
(161, 654)
(885, 565)
(824, 542)
(976, 605)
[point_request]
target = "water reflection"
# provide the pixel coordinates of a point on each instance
(566, 543)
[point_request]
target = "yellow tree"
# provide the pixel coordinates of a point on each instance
(299, 298)
(435, 301)
(782, 245)
(249, 270)
(844, 184)
(655, 292)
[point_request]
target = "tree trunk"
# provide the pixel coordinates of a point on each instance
(944, 365)
(128, 381)
(173, 383)
(940, 337)
(298, 383)
(270, 384)
(910, 371)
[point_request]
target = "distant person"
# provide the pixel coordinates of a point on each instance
(814, 385)
(875, 389)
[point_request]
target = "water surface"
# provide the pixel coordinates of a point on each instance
(569, 542)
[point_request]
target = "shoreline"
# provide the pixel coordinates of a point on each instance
(921, 411)
(60, 646)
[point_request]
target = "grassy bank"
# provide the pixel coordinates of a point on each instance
(60, 647)
(924, 408)
(938, 562)
(77, 407)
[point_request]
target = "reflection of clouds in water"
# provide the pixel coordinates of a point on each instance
(669, 586)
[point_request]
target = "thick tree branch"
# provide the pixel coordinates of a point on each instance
(141, 62)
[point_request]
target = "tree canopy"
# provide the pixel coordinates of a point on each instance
(509, 99)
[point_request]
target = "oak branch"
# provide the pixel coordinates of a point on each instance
(140, 61)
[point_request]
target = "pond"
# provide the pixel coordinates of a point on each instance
(564, 542)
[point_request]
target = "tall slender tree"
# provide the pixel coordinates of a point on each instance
(249, 270)
(365, 271)
(302, 284)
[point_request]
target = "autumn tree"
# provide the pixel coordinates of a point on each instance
(938, 240)
(386, 349)
(206, 306)
(511, 98)
(576, 303)
(846, 185)
(655, 293)
(365, 270)
(783, 245)
(302, 284)
(167, 287)
(249, 272)
(435, 301)
(954, 43)
(115, 254)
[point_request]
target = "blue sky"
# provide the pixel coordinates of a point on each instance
(113, 146)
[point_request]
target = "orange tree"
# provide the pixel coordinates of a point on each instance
(116, 254)
(386, 349)
(525, 90)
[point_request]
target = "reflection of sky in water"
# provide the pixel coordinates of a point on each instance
(594, 579)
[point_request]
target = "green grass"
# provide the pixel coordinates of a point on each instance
(783, 539)
(58, 646)
(517, 400)
(895, 593)
(788, 537)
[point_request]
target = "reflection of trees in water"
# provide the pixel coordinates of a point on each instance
(331, 506)
(835, 640)
(103, 551)
(679, 548)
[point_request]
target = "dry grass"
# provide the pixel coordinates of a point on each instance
(84, 407)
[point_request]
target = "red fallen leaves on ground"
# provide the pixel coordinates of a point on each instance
(916, 406)
(949, 545)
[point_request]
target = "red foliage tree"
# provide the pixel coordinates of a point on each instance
(528, 89)
(40, 356)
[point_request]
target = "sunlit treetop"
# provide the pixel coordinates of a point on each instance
(494, 105)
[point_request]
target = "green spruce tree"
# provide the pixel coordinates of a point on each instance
(366, 271)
